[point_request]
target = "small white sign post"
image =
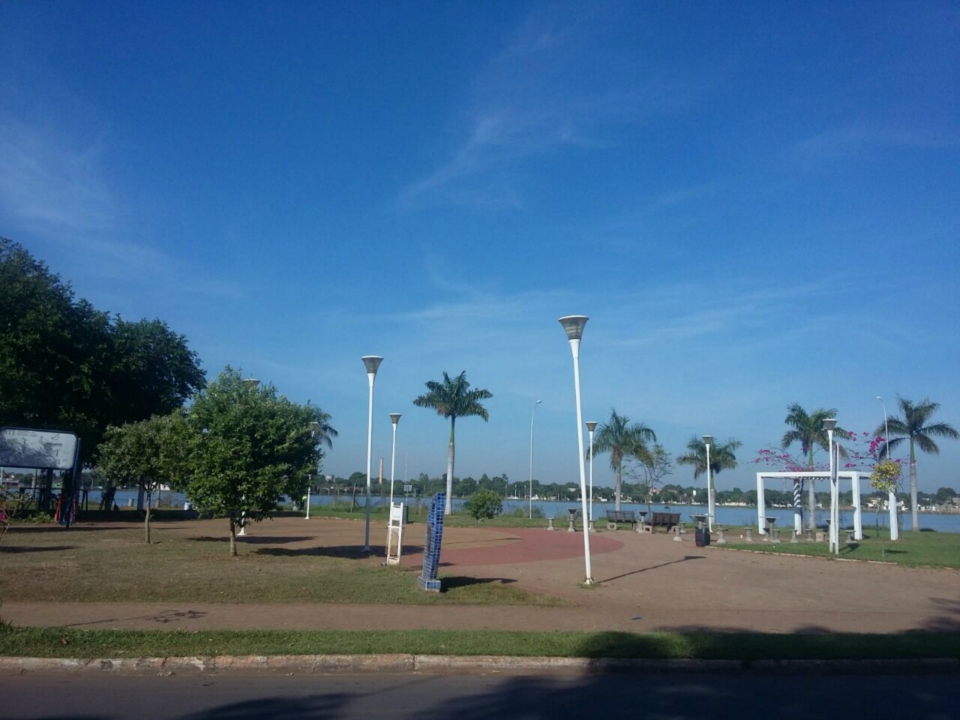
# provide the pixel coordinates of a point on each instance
(395, 534)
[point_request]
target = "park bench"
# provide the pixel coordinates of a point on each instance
(620, 516)
(661, 519)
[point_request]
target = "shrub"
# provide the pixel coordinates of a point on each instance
(484, 505)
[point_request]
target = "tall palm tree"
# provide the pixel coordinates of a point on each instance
(622, 439)
(453, 398)
(913, 427)
(722, 457)
(807, 429)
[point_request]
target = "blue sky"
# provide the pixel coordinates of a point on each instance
(755, 203)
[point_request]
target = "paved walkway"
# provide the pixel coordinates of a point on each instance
(645, 583)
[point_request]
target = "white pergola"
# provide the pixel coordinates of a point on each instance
(853, 477)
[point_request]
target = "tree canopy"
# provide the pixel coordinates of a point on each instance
(65, 365)
(622, 439)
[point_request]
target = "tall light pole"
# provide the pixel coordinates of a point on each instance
(829, 424)
(252, 384)
(891, 495)
(573, 325)
(533, 415)
(315, 433)
(395, 419)
(591, 426)
(711, 508)
(371, 363)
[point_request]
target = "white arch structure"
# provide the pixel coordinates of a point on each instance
(853, 477)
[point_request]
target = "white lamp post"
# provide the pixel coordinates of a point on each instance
(372, 363)
(533, 415)
(591, 426)
(892, 496)
(251, 383)
(573, 325)
(711, 507)
(829, 424)
(395, 419)
(315, 431)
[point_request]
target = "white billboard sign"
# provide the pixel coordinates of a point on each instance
(43, 449)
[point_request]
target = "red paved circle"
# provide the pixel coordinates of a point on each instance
(530, 545)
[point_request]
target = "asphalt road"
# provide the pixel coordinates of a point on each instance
(472, 697)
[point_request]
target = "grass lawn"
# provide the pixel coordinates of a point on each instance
(61, 642)
(112, 564)
(913, 549)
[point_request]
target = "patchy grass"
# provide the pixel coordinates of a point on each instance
(913, 549)
(746, 647)
(112, 564)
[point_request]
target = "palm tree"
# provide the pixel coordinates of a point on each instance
(722, 457)
(622, 439)
(914, 427)
(807, 429)
(453, 398)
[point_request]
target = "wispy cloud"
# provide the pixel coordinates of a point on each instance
(544, 92)
(862, 141)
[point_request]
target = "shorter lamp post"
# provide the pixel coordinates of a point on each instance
(315, 431)
(591, 426)
(533, 416)
(372, 364)
(829, 424)
(395, 420)
(891, 495)
(711, 507)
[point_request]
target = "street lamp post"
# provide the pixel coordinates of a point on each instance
(591, 426)
(533, 415)
(573, 325)
(829, 424)
(251, 383)
(315, 433)
(395, 419)
(891, 495)
(372, 363)
(711, 508)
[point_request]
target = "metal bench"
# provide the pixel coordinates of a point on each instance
(621, 516)
(662, 519)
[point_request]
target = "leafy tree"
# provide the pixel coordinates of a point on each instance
(807, 430)
(653, 467)
(484, 505)
(68, 366)
(251, 446)
(453, 398)
(622, 439)
(915, 426)
(148, 453)
(466, 487)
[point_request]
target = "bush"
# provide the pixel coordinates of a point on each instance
(484, 505)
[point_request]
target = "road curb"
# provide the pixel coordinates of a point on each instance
(445, 664)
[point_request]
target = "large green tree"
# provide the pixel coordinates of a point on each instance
(622, 439)
(65, 365)
(148, 453)
(915, 426)
(452, 398)
(250, 447)
(806, 429)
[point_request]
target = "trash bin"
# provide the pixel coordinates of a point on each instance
(701, 537)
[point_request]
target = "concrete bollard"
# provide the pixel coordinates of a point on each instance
(721, 540)
(748, 534)
(550, 524)
(793, 537)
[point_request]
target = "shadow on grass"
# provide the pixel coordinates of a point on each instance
(348, 552)
(254, 540)
(17, 549)
(452, 583)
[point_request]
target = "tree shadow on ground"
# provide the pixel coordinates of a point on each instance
(460, 581)
(348, 552)
(17, 549)
(950, 620)
(653, 567)
(255, 540)
(52, 527)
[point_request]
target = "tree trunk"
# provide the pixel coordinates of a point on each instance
(619, 468)
(233, 537)
(146, 521)
(448, 505)
(915, 521)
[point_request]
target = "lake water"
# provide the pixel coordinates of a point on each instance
(726, 516)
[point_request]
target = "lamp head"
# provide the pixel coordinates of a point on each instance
(591, 425)
(251, 382)
(708, 439)
(573, 324)
(394, 418)
(314, 427)
(372, 362)
(829, 424)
